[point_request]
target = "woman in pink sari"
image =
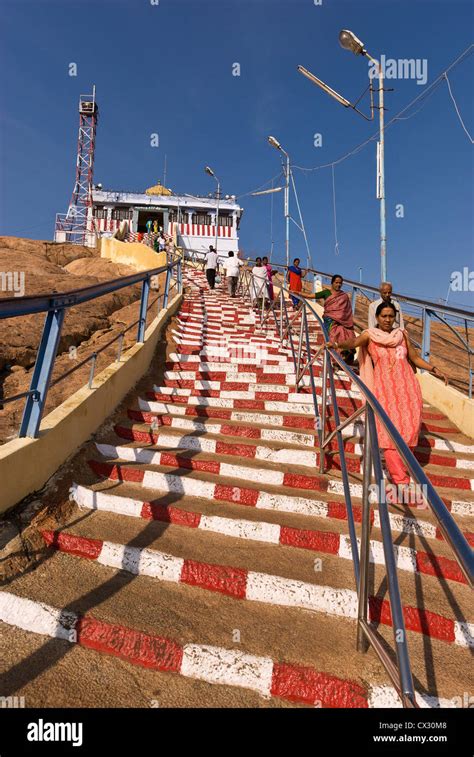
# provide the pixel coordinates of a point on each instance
(270, 274)
(385, 355)
(338, 315)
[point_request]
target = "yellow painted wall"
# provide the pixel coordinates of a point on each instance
(135, 254)
(457, 406)
(26, 464)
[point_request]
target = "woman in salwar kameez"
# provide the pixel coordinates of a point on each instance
(386, 356)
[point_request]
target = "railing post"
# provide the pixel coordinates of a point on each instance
(143, 310)
(396, 609)
(167, 287)
(363, 588)
(119, 353)
(354, 299)
(47, 350)
(311, 378)
(300, 350)
(322, 419)
(180, 277)
(281, 313)
(92, 370)
(425, 343)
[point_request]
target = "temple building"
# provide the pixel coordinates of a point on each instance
(189, 219)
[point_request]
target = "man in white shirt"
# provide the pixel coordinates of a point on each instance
(211, 265)
(161, 241)
(231, 272)
(385, 290)
(259, 280)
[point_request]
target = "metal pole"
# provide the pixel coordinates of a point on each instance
(287, 210)
(363, 588)
(119, 355)
(354, 298)
(36, 401)
(167, 288)
(92, 370)
(426, 338)
(398, 621)
(143, 310)
(323, 411)
(217, 211)
(383, 232)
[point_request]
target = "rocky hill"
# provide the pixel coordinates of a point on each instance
(47, 267)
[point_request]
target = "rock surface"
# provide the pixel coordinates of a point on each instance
(45, 267)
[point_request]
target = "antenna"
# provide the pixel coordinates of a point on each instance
(77, 225)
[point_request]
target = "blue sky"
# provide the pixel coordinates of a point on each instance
(167, 68)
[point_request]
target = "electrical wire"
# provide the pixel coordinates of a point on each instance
(302, 227)
(423, 96)
(336, 243)
(457, 109)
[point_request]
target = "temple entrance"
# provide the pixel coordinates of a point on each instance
(153, 215)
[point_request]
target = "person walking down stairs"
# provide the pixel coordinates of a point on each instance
(386, 357)
(259, 282)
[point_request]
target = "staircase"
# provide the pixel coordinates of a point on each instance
(206, 562)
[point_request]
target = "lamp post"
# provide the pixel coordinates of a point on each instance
(274, 143)
(211, 173)
(349, 41)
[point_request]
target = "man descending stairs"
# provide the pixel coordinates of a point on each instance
(207, 562)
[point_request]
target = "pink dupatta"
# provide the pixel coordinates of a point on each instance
(378, 336)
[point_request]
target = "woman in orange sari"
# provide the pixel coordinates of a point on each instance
(385, 355)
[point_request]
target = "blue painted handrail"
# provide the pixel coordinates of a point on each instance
(55, 307)
(428, 310)
(400, 673)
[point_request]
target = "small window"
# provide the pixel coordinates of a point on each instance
(122, 214)
(99, 212)
(202, 218)
(225, 220)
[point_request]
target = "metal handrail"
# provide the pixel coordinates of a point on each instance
(400, 674)
(55, 305)
(429, 310)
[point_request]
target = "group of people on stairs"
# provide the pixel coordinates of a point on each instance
(387, 358)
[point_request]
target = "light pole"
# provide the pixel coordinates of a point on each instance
(349, 41)
(274, 143)
(211, 173)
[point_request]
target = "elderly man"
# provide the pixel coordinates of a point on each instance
(385, 290)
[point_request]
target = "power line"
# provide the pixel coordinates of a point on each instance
(336, 243)
(457, 109)
(302, 227)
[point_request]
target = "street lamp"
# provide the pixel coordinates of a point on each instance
(349, 41)
(211, 173)
(275, 143)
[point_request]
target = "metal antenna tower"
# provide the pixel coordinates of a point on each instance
(77, 225)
